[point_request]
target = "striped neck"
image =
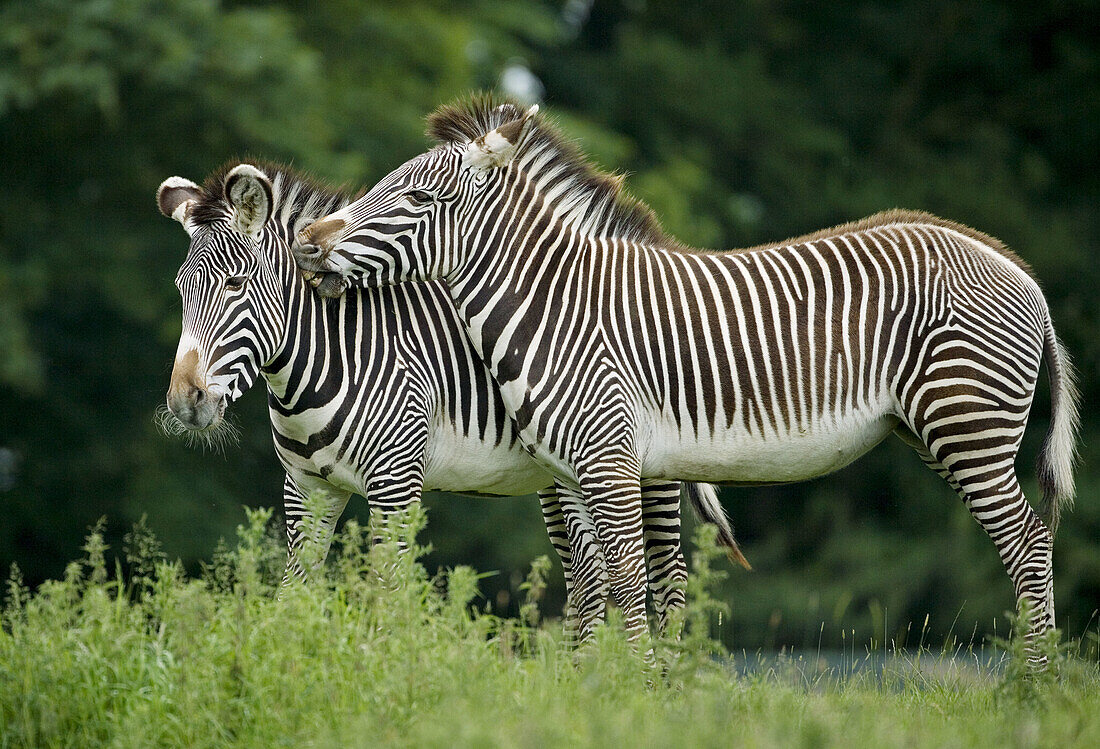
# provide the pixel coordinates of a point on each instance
(297, 202)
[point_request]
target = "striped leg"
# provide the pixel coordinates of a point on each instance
(667, 569)
(588, 589)
(397, 474)
(391, 492)
(980, 467)
(301, 526)
(611, 489)
(556, 528)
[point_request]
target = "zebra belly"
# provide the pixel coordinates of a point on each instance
(458, 463)
(736, 457)
(452, 462)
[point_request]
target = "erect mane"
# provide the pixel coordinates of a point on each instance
(595, 203)
(592, 201)
(297, 197)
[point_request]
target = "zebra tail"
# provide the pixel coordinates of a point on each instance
(1058, 455)
(703, 499)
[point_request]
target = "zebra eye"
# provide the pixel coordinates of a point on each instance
(234, 283)
(419, 197)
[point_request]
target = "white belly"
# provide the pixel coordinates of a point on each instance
(462, 464)
(451, 463)
(736, 456)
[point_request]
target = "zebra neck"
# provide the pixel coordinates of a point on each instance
(307, 337)
(510, 265)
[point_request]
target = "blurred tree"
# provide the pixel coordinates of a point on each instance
(740, 123)
(99, 101)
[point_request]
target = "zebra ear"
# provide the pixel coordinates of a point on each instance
(176, 197)
(248, 192)
(497, 147)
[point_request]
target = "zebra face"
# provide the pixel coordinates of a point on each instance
(411, 225)
(398, 228)
(231, 314)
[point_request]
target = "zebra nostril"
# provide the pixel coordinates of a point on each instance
(197, 395)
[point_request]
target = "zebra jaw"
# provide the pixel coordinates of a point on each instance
(328, 285)
(311, 260)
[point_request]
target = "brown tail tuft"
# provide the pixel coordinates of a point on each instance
(703, 499)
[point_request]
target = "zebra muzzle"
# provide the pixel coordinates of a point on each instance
(197, 408)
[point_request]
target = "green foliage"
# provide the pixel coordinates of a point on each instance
(690, 630)
(374, 651)
(1033, 667)
(740, 123)
(534, 588)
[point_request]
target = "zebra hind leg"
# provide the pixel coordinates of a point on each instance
(588, 592)
(556, 529)
(993, 495)
(667, 569)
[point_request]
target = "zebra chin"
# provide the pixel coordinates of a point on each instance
(213, 430)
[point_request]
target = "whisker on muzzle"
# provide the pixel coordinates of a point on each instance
(214, 438)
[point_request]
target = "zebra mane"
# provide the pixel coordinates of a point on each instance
(590, 200)
(595, 203)
(297, 198)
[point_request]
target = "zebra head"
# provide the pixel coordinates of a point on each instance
(233, 316)
(410, 226)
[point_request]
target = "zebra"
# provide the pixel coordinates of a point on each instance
(377, 394)
(623, 354)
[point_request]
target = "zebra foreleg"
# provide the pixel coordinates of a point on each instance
(611, 489)
(390, 495)
(304, 527)
(666, 568)
(588, 588)
(558, 533)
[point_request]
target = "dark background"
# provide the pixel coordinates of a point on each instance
(739, 122)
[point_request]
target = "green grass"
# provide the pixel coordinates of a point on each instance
(135, 653)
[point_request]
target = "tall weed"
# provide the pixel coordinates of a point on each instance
(374, 650)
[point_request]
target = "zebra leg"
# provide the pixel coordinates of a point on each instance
(992, 493)
(588, 587)
(611, 488)
(907, 436)
(389, 499)
(391, 493)
(664, 554)
(554, 518)
(302, 526)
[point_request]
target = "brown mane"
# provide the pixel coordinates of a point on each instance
(296, 195)
(599, 205)
(896, 216)
(593, 201)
